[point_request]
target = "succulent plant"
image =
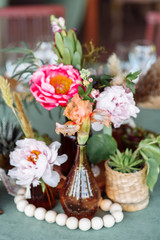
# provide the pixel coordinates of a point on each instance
(68, 48)
(9, 134)
(147, 152)
(125, 162)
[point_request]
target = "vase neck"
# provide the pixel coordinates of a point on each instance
(81, 155)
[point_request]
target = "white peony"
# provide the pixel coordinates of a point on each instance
(34, 160)
(119, 103)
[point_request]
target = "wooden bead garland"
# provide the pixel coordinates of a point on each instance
(84, 224)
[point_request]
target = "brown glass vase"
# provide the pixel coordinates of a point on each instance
(42, 199)
(80, 194)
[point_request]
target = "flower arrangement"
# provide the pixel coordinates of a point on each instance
(70, 85)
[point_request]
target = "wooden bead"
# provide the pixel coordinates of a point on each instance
(40, 213)
(84, 224)
(50, 216)
(21, 205)
(21, 191)
(108, 221)
(105, 204)
(18, 198)
(72, 223)
(118, 216)
(115, 207)
(29, 210)
(97, 223)
(61, 219)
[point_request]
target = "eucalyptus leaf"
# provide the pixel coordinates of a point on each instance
(152, 174)
(100, 147)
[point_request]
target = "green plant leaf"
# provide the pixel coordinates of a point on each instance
(63, 33)
(88, 89)
(100, 147)
(59, 43)
(81, 91)
(70, 35)
(68, 44)
(16, 50)
(66, 56)
(76, 59)
(56, 51)
(130, 85)
(133, 76)
(79, 48)
(151, 151)
(152, 173)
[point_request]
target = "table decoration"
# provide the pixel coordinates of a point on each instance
(130, 174)
(84, 224)
(69, 85)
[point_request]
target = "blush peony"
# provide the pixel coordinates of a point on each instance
(33, 160)
(119, 103)
(54, 85)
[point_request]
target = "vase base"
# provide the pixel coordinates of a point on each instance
(133, 207)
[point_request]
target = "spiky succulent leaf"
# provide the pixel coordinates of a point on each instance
(9, 134)
(126, 162)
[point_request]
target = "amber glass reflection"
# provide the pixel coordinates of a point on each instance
(80, 194)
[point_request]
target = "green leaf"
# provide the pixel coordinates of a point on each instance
(70, 35)
(88, 90)
(63, 33)
(66, 56)
(133, 76)
(68, 44)
(43, 185)
(59, 43)
(105, 77)
(152, 173)
(79, 48)
(76, 59)
(81, 91)
(130, 85)
(152, 151)
(100, 147)
(88, 98)
(16, 50)
(56, 51)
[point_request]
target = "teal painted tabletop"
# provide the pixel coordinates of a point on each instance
(141, 225)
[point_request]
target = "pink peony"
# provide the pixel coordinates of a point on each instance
(119, 104)
(33, 160)
(54, 85)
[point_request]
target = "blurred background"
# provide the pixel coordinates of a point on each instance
(130, 28)
(106, 22)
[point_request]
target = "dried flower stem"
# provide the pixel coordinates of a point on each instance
(22, 116)
(19, 110)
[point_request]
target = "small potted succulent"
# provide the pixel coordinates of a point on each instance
(130, 175)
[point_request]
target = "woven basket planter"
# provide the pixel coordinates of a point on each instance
(128, 189)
